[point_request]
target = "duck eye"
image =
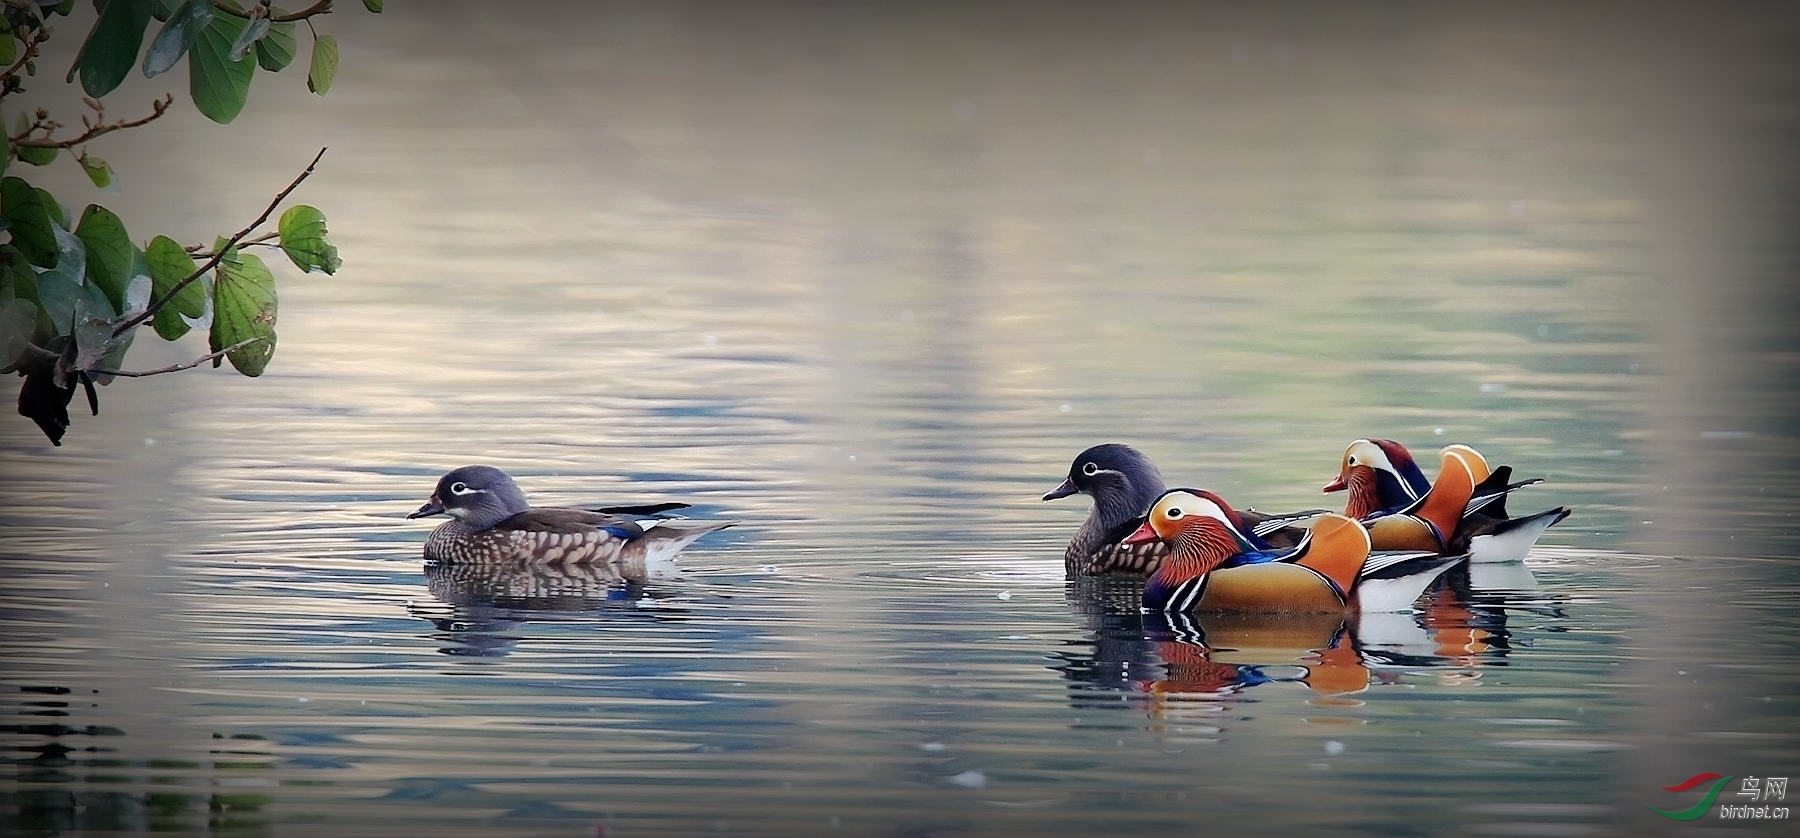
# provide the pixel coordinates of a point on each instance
(1173, 513)
(1090, 469)
(459, 488)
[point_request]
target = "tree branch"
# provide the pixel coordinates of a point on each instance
(323, 7)
(211, 356)
(97, 127)
(213, 261)
(38, 37)
(32, 353)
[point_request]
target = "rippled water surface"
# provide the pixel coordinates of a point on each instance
(864, 280)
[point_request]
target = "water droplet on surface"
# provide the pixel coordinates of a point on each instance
(1334, 747)
(1003, 595)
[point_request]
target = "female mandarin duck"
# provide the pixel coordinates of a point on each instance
(1403, 510)
(1123, 483)
(1214, 565)
(491, 522)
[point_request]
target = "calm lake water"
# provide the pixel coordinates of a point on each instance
(864, 279)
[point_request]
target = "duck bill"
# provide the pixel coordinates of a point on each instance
(1142, 535)
(1065, 489)
(431, 507)
(1337, 484)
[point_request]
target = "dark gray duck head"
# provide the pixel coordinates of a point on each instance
(1119, 478)
(479, 496)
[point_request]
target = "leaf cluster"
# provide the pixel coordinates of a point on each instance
(73, 291)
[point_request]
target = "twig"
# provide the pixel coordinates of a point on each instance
(97, 128)
(213, 261)
(38, 37)
(323, 7)
(31, 353)
(211, 356)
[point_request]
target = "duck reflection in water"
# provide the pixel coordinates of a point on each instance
(479, 603)
(1134, 655)
(1226, 653)
(1129, 655)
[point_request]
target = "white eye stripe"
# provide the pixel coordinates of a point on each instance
(1090, 469)
(460, 489)
(1194, 505)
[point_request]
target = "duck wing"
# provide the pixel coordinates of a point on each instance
(555, 519)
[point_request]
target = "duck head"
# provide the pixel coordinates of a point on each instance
(1201, 529)
(1117, 476)
(1380, 475)
(1203, 533)
(479, 496)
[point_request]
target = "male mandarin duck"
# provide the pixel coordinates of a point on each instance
(492, 522)
(1404, 511)
(1123, 483)
(1214, 565)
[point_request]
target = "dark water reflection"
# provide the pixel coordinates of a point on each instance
(864, 279)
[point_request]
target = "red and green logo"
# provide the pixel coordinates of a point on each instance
(1698, 810)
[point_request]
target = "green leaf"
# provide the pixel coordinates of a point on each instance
(170, 264)
(372, 5)
(177, 36)
(303, 239)
(64, 292)
(18, 304)
(324, 64)
(29, 221)
(97, 170)
(277, 49)
(94, 342)
(17, 273)
(253, 32)
(9, 45)
(164, 9)
(38, 155)
(57, 213)
(18, 319)
(5, 147)
(218, 84)
(110, 252)
(244, 308)
(112, 45)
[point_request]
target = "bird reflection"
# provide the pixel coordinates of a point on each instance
(479, 603)
(1221, 653)
(1142, 659)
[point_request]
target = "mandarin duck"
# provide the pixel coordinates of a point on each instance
(1123, 483)
(492, 522)
(1383, 481)
(1214, 565)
